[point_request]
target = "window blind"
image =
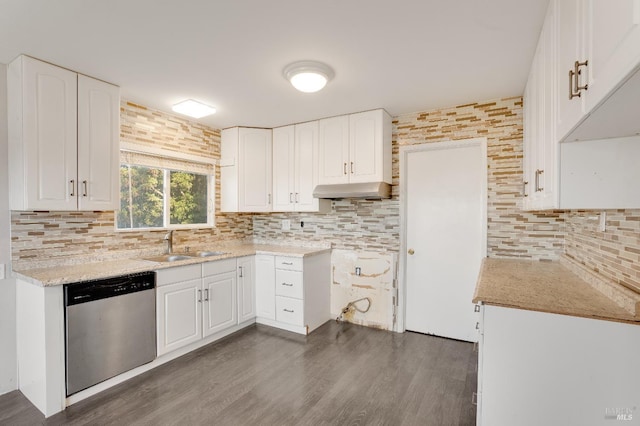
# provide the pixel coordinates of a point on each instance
(166, 162)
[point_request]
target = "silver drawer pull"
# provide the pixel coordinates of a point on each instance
(287, 284)
(288, 310)
(477, 326)
(288, 263)
(474, 398)
(477, 308)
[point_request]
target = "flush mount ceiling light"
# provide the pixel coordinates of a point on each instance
(193, 109)
(308, 76)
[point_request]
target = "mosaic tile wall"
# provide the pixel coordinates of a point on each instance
(614, 253)
(511, 231)
(54, 237)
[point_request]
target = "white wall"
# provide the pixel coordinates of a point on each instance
(8, 363)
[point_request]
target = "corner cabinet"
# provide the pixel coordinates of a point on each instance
(355, 148)
(295, 169)
(245, 170)
(64, 131)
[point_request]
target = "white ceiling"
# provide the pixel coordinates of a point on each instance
(401, 55)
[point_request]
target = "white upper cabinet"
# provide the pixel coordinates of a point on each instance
(540, 143)
(63, 139)
(355, 148)
(283, 168)
(369, 147)
(295, 168)
(98, 144)
(598, 48)
(334, 150)
(245, 170)
(612, 45)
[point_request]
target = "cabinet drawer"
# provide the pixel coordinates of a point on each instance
(178, 274)
(218, 267)
(290, 263)
(289, 311)
(289, 283)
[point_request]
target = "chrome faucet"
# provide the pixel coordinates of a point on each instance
(169, 240)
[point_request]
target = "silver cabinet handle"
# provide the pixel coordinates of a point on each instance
(291, 197)
(352, 167)
(344, 168)
(240, 267)
(84, 185)
(476, 308)
(524, 188)
(269, 198)
(287, 284)
(538, 173)
(73, 187)
(288, 310)
(574, 84)
(288, 263)
(297, 197)
(206, 294)
(477, 326)
(200, 296)
(474, 398)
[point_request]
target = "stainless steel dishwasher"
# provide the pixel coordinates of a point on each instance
(110, 327)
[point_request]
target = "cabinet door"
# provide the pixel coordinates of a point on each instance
(306, 166)
(568, 43)
(254, 171)
(548, 142)
(98, 144)
(528, 148)
(178, 315)
(246, 289)
(219, 302)
(334, 150)
(284, 169)
(49, 131)
(366, 147)
(265, 286)
(612, 38)
(229, 170)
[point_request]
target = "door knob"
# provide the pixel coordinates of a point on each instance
(411, 251)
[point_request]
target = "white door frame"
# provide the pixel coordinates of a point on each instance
(405, 151)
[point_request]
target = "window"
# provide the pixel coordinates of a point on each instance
(157, 196)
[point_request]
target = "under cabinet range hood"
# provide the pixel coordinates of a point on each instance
(368, 190)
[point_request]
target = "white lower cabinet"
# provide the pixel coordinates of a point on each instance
(197, 301)
(178, 307)
(537, 368)
(293, 293)
(220, 306)
(246, 289)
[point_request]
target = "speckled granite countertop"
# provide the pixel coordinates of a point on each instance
(65, 274)
(545, 287)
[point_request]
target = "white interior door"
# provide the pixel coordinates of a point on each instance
(445, 236)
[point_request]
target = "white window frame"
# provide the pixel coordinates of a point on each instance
(166, 189)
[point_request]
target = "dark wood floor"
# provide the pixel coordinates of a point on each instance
(341, 374)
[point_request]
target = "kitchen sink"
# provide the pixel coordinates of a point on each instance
(169, 258)
(210, 253)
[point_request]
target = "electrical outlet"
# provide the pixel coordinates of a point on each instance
(602, 225)
(286, 224)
